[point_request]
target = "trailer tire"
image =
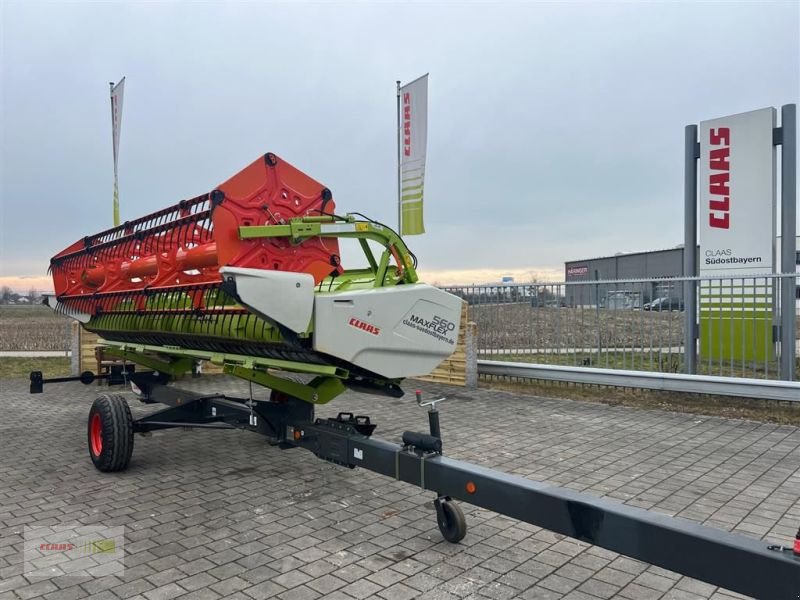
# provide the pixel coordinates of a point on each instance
(451, 520)
(110, 433)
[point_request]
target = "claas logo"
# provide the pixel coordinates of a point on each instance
(359, 324)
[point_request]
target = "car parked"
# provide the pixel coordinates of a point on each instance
(664, 304)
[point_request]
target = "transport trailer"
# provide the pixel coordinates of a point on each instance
(249, 277)
(735, 562)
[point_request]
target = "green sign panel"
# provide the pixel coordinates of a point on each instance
(736, 324)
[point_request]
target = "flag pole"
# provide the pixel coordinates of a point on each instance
(115, 205)
(399, 204)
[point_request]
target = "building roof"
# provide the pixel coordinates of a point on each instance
(673, 249)
(621, 254)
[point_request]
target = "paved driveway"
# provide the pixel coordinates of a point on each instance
(211, 514)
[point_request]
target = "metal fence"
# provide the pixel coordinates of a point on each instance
(636, 324)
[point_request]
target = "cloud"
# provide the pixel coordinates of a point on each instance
(22, 285)
(555, 131)
(489, 276)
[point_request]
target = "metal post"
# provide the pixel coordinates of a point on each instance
(115, 200)
(597, 315)
(788, 237)
(399, 203)
(690, 251)
(433, 422)
(75, 346)
(471, 352)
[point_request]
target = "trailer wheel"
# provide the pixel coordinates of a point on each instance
(110, 433)
(451, 520)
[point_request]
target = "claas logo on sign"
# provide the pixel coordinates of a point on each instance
(719, 206)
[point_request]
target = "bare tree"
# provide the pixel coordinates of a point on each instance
(5, 294)
(33, 295)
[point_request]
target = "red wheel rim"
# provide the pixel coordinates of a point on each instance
(96, 434)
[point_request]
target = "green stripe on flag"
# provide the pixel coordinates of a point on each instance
(414, 196)
(412, 218)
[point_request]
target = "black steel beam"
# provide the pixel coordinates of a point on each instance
(731, 561)
(116, 376)
(195, 412)
(735, 562)
(217, 411)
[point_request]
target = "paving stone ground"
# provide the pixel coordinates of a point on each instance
(221, 514)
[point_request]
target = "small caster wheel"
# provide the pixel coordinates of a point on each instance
(450, 519)
(110, 433)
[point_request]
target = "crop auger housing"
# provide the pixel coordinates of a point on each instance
(249, 275)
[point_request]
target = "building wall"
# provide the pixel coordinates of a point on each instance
(639, 265)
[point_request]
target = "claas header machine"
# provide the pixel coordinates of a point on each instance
(249, 276)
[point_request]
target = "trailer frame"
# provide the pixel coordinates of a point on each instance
(732, 561)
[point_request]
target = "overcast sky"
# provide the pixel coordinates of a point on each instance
(555, 130)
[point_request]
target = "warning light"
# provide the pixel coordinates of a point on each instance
(471, 487)
(297, 434)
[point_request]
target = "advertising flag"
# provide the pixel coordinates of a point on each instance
(413, 142)
(117, 92)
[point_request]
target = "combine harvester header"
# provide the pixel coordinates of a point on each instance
(250, 276)
(253, 269)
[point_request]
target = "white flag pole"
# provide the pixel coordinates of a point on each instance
(115, 204)
(116, 92)
(399, 203)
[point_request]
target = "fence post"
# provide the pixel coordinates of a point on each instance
(788, 238)
(471, 355)
(690, 250)
(75, 344)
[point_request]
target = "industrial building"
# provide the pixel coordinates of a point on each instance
(638, 265)
(652, 265)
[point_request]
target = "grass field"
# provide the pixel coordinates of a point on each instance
(524, 326)
(34, 327)
(627, 339)
(20, 368)
(520, 325)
